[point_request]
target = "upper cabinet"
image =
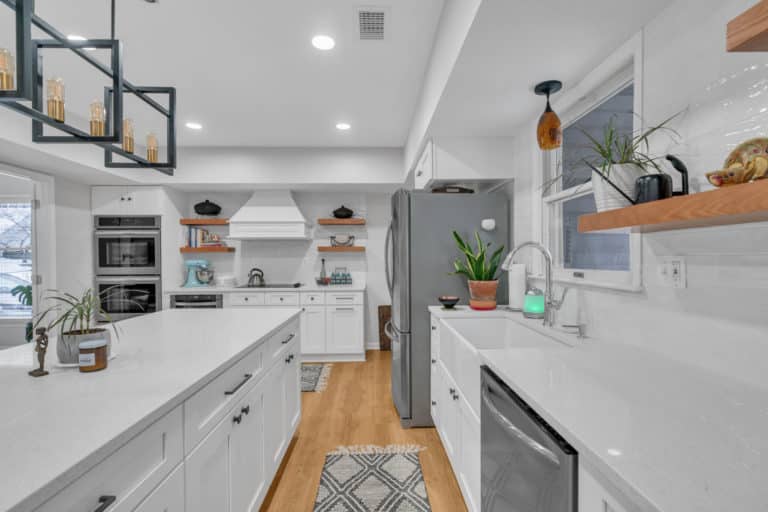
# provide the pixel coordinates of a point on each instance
(469, 160)
(748, 32)
(127, 200)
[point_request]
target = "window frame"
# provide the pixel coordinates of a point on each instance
(17, 199)
(620, 70)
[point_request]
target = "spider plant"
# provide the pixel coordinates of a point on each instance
(75, 315)
(476, 265)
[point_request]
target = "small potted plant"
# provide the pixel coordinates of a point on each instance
(480, 271)
(621, 158)
(76, 319)
(23, 294)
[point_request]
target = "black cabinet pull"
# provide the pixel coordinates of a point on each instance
(434, 403)
(287, 360)
(289, 338)
(106, 502)
(245, 410)
(242, 383)
(237, 419)
(434, 361)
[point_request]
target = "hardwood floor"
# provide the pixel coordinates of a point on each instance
(356, 408)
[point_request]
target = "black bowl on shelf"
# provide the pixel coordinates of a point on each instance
(207, 208)
(448, 301)
(343, 213)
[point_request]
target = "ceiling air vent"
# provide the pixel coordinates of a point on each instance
(371, 24)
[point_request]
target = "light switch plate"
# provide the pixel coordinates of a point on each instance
(673, 272)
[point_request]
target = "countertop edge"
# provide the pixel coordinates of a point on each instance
(48, 491)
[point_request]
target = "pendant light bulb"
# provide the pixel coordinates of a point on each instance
(549, 132)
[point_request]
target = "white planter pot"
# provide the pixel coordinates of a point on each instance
(68, 345)
(621, 175)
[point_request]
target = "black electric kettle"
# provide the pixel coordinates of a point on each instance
(653, 187)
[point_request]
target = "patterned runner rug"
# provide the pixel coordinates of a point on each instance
(314, 377)
(372, 479)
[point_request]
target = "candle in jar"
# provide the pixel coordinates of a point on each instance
(128, 140)
(6, 70)
(55, 87)
(152, 147)
(98, 115)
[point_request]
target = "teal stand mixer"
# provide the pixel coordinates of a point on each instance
(193, 267)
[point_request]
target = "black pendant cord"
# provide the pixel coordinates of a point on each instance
(112, 20)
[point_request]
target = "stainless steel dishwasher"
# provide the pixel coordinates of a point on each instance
(526, 465)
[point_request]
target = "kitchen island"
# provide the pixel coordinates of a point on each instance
(183, 382)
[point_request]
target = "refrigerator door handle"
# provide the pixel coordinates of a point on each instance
(388, 261)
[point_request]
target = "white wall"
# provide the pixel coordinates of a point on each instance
(74, 237)
(719, 321)
(299, 261)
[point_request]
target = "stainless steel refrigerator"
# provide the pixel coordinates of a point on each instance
(420, 251)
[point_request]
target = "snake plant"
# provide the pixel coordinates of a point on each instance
(476, 265)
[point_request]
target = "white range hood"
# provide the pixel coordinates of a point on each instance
(269, 215)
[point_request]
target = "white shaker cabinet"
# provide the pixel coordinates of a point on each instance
(313, 330)
(169, 495)
(127, 200)
(451, 160)
(424, 171)
(344, 329)
(208, 477)
(247, 458)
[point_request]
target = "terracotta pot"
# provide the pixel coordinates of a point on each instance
(483, 295)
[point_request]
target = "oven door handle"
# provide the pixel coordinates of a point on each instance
(524, 438)
(119, 280)
(126, 233)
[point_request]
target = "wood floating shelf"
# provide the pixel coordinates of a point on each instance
(332, 248)
(748, 32)
(341, 222)
(204, 222)
(198, 250)
(737, 204)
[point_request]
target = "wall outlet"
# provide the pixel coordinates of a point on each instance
(673, 272)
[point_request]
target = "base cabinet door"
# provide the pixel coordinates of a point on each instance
(292, 390)
(169, 495)
(344, 329)
(435, 387)
(274, 407)
(449, 419)
(208, 478)
(247, 460)
(469, 455)
(313, 330)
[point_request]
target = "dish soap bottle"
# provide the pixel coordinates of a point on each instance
(323, 273)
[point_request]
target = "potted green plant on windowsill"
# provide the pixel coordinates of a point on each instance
(481, 271)
(75, 318)
(621, 158)
(23, 294)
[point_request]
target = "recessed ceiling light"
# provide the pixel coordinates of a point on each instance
(192, 125)
(322, 42)
(343, 126)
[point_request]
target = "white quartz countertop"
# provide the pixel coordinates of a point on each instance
(54, 428)
(303, 288)
(672, 437)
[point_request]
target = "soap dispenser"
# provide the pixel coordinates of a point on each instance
(534, 304)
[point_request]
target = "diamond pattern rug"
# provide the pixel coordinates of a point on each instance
(314, 377)
(372, 479)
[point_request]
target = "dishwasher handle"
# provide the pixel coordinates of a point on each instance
(514, 431)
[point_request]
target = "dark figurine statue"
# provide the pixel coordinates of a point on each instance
(41, 345)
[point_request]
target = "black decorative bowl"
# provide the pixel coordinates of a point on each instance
(448, 301)
(343, 213)
(207, 208)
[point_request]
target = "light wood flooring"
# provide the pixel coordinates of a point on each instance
(356, 408)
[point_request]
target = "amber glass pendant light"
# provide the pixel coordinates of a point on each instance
(56, 99)
(6, 70)
(152, 147)
(550, 130)
(98, 115)
(128, 140)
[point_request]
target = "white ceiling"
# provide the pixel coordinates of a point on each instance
(514, 45)
(246, 69)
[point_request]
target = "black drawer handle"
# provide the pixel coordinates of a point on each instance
(288, 339)
(106, 502)
(434, 361)
(242, 383)
(245, 410)
(237, 419)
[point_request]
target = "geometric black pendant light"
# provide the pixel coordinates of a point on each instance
(21, 82)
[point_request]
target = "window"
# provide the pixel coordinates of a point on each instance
(15, 255)
(608, 259)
